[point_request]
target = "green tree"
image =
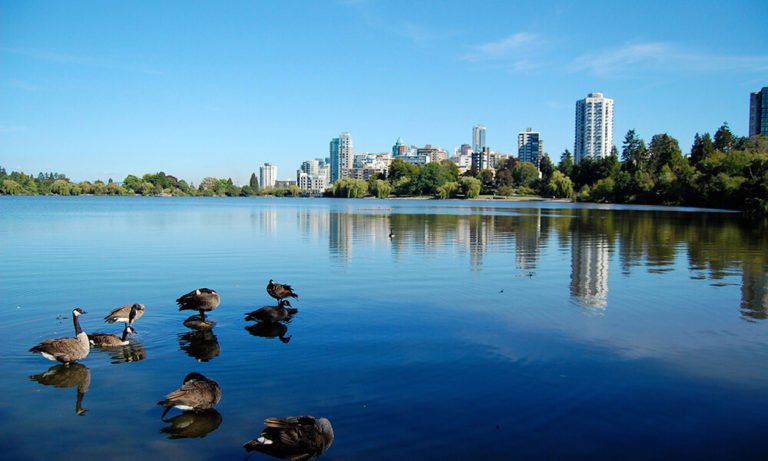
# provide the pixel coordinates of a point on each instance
(634, 154)
(10, 187)
(665, 150)
(448, 190)
(379, 188)
(724, 139)
(559, 185)
(253, 183)
(546, 167)
(470, 186)
(702, 148)
(399, 169)
(60, 187)
(566, 163)
(525, 174)
(487, 181)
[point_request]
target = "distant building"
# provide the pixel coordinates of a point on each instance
(435, 154)
(267, 175)
(313, 176)
(495, 159)
(530, 147)
(480, 159)
(284, 184)
(478, 138)
(341, 156)
(594, 127)
(369, 164)
(758, 112)
(400, 148)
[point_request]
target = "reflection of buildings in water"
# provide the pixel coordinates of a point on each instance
(527, 241)
(72, 375)
(346, 228)
(589, 269)
(754, 292)
(267, 220)
(479, 233)
(313, 224)
(202, 345)
(192, 424)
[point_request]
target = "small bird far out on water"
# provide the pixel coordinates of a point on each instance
(66, 350)
(391, 234)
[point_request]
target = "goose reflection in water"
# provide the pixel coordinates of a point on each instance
(202, 345)
(190, 424)
(269, 330)
(133, 352)
(72, 375)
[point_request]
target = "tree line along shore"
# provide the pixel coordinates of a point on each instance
(721, 171)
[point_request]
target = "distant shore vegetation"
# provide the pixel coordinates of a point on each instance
(721, 171)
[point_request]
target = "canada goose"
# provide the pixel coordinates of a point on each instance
(109, 340)
(269, 330)
(190, 424)
(295, 438)
(272, 314)
(201, 300)
(196, 393)
(123, 313)
(391, 234)
(196, 322)
(66, 350)
(280, 291)
(74, 375)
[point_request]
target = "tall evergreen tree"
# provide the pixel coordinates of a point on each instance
(254, 182)
(702, 147)
(566, 163)
(724, 139)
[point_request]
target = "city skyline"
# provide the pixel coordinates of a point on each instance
(219, 89)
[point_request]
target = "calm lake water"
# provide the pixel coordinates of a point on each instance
(482, 330)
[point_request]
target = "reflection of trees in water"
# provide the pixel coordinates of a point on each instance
(754, 289)
(202, 345)
(717, 245)
(63, 376)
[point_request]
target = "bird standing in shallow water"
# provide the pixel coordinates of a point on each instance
(197, 393)
(280, 291)
(66, 350)
(295, 437)
(272, 314)
(109, 340)
(202, 300)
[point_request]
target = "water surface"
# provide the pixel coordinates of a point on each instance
(482, 330)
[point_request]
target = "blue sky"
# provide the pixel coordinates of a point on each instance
(103, 89)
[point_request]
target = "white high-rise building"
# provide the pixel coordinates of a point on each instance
(267, 175)
(478, 138)
(341, 156)
(594, 127)
(530, 147)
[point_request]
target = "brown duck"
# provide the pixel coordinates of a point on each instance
(280, 291)
(202, 300)
(296, 438)
(197, 393)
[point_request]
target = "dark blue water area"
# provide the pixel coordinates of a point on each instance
(517, 332)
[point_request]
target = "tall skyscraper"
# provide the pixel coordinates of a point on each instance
(594, 127)
(530, 147)
(267, 175)
(341, 156)
(758, 112)
(478, 138)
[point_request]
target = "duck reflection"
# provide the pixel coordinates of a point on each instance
(133, 352)
(190, 424)
(196, 322)
(269, 330)
(203, 345)
(72, 375)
